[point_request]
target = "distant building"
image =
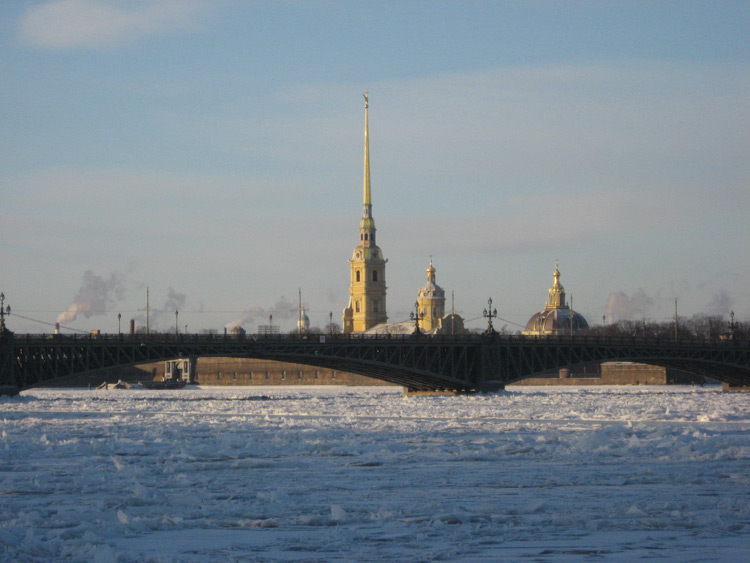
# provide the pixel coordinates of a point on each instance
(452, 324)
(303, 324)
(557, 317)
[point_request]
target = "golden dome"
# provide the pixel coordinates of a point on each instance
(557, 317)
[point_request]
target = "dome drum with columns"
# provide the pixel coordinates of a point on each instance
(557, 317)
(431, 303)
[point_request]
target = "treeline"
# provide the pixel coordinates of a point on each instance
(698, 326)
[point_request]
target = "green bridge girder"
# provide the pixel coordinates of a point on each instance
(421, 363)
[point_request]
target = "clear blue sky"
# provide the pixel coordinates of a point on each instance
(213, 152)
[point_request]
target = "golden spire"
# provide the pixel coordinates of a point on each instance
(367, 224)
(367, 198)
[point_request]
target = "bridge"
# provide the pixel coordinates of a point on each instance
(420, 363)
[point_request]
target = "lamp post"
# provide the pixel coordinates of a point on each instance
(415, 316)
(3, 311)
(119, 318)
(176, 326)
(571, 315)
(330, 323)
(489, 314)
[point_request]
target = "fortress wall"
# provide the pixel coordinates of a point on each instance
(223, 371)
(244, 371)
(610, 373)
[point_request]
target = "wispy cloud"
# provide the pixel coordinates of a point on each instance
(94, 23)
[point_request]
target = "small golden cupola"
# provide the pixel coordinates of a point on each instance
(556, 293)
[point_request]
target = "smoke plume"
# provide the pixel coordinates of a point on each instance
(162, 317)
(283, 309)
(621, 307)
(721, 304)
(95, 296)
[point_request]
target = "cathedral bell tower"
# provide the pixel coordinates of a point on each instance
(367, 267)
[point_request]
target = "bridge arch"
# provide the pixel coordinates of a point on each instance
(726, 361)
(461, 363)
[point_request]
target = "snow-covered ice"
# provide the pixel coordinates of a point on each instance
(343, 474)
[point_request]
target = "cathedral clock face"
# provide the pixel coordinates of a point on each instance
(359, 254)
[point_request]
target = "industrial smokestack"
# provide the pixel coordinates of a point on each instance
(57, 328)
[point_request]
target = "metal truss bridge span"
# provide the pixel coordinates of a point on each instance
(419, 363)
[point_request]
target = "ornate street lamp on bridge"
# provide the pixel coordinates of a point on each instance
(3, 311)
(489, 314)
(416, 316)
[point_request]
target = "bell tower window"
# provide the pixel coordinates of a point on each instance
(375, 275)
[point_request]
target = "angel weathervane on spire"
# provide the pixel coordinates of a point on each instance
(367, 102)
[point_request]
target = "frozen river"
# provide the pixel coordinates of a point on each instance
(364, 474)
